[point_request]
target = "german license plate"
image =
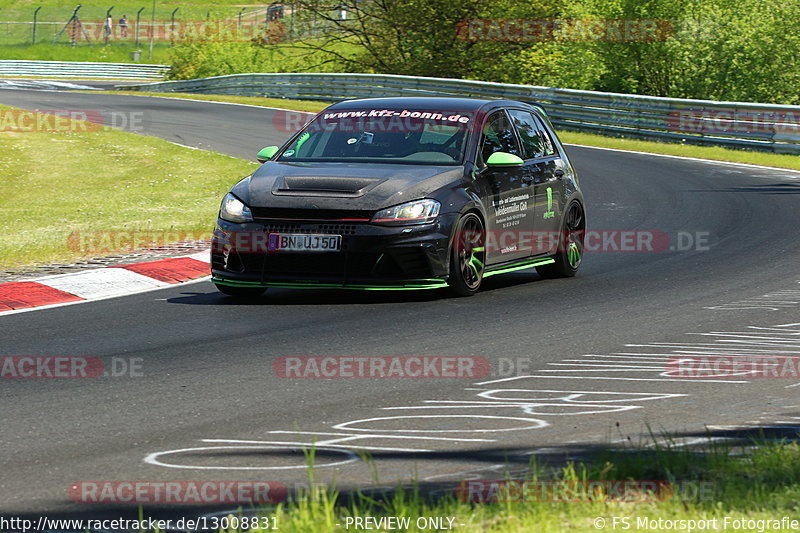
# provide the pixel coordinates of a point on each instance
(304, 242)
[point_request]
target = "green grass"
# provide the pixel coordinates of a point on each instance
(112, 53)
(761, 484)
(686, 150)
(61, 10)
(589, 139)
(296, 105)
(15, 39)
(58, 183)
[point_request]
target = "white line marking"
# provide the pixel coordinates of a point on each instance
(531, 408)
(700, 160)
(685, 380)
(153, 458)
(573, 397)
(314, 445)
(657, 369)
(614, 365)
(377, 436)
(536, 424)
(625, 359)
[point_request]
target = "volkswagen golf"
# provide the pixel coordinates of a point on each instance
(404, 194)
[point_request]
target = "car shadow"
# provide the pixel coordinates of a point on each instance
(284, 297)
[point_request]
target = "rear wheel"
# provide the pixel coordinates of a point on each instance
(241, 292)
(468, 256)
(570, 247)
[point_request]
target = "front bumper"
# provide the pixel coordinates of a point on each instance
(371, 256)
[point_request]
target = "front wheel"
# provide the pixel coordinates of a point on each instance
(570, 245)
(241, 292)
(468, 256)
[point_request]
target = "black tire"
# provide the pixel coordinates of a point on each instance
(467, 256)
(244, 293)
(570, 247)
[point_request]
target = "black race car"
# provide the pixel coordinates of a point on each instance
(404, 193)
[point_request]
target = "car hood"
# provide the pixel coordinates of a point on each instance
(357, 186)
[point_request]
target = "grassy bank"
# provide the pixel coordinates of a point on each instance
(73, 180)
(686, 150)
(61, 10)
(283, 103)
(111, 53)
(715, 486)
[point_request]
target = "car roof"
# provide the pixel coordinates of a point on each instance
(431, 103)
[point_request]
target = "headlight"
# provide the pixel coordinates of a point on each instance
(417, 212)
(234, 210)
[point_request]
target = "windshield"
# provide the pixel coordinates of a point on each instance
(410, 136)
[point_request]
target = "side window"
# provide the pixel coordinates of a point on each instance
(498, 136)
(549, 146)
(533, 144)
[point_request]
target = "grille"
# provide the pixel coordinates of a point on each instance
(325, 229)
(332, 264)
(328, 266)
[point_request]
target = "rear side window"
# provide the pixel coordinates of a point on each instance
(547, 140)
(533, 142)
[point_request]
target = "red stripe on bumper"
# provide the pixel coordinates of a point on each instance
(171, 270)
(21, 294)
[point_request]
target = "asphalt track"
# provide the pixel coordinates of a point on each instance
(589, 351)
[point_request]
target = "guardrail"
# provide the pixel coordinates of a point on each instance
(756, 126)
(80, 69)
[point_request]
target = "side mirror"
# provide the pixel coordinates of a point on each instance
(266, 153)
(504, 159)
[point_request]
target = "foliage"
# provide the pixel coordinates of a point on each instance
(744, 50)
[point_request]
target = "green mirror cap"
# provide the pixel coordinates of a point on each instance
(500, 159)
(266, 153)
